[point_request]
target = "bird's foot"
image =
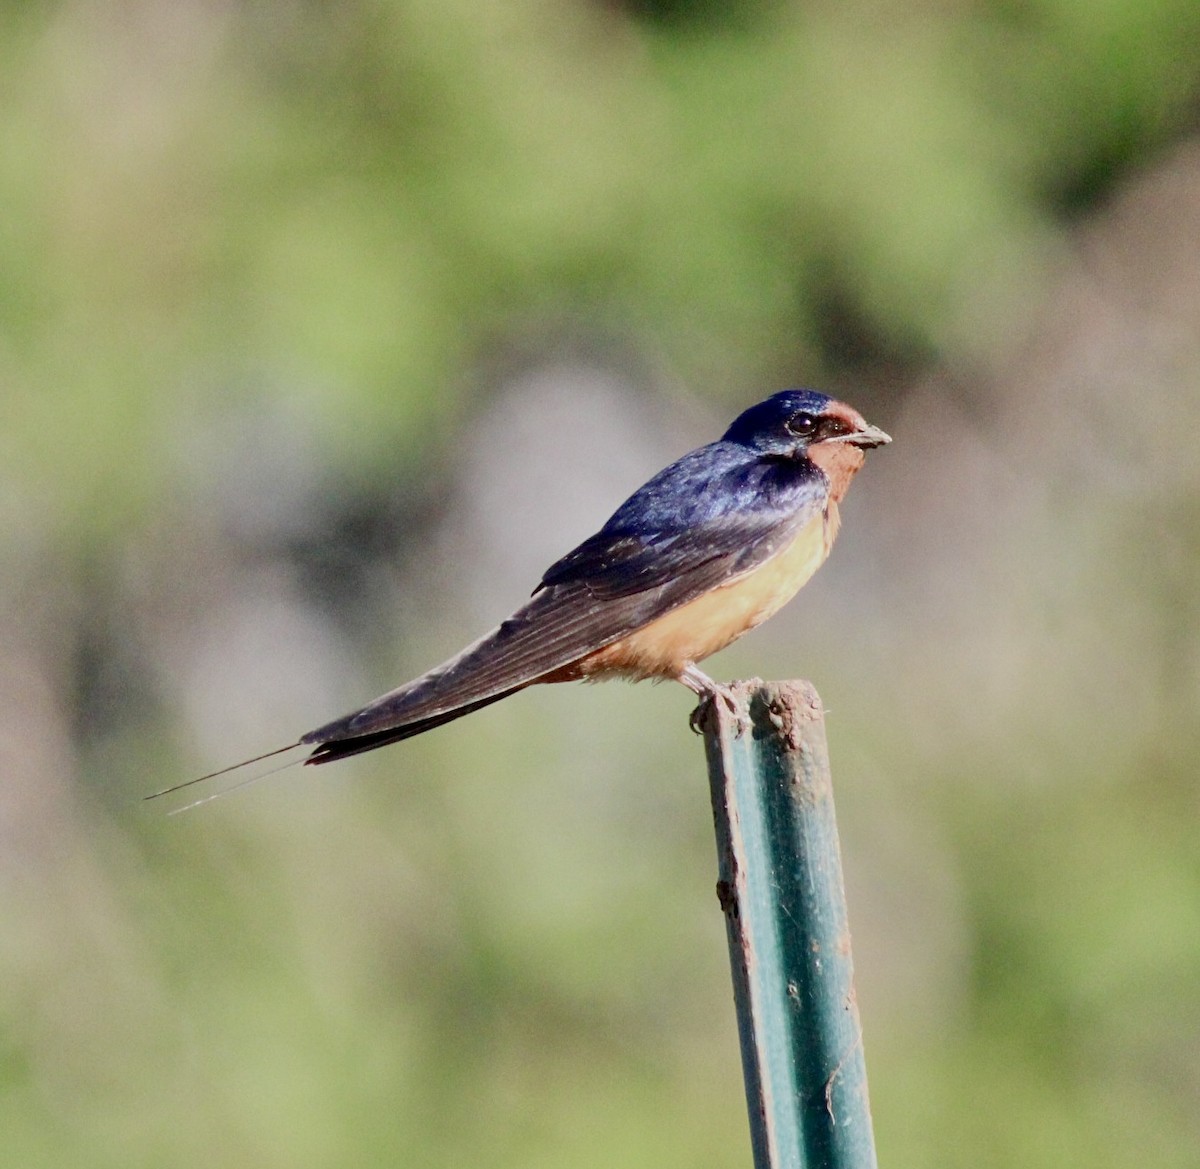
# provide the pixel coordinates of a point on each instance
(710, 693)
(704, 708)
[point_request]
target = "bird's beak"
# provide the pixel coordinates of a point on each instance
(869, 436)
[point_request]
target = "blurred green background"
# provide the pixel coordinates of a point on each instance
(324, 328)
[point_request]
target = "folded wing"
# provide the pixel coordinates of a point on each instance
(615, 582)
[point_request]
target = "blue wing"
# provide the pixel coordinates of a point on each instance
(707, 519)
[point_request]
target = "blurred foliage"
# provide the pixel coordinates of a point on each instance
(264, 268)
(362, 195)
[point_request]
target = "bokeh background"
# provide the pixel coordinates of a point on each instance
(325, 327)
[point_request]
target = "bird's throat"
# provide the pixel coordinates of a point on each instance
(840, 461)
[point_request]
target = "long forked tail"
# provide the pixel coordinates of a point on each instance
(166, 791)
(330, 749)
(327, 750)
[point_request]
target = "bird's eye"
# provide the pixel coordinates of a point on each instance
(802, 425)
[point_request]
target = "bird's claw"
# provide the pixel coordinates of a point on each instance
(726, 697)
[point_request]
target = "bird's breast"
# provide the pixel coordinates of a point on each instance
(712, 621)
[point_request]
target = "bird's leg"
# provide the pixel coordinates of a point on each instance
(708, 691)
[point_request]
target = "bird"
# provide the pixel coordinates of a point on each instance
(706, 550)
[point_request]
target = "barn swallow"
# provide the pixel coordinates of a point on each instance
(705, 551)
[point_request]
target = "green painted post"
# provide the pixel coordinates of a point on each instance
(780, 886)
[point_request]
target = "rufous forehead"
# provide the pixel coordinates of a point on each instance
(846, 414)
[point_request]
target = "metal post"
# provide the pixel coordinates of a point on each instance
(780, 886)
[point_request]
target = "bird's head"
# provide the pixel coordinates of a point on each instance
(792, 422)
(797, 424)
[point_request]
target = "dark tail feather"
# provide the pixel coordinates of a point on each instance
(166, 791)
(333, 749)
